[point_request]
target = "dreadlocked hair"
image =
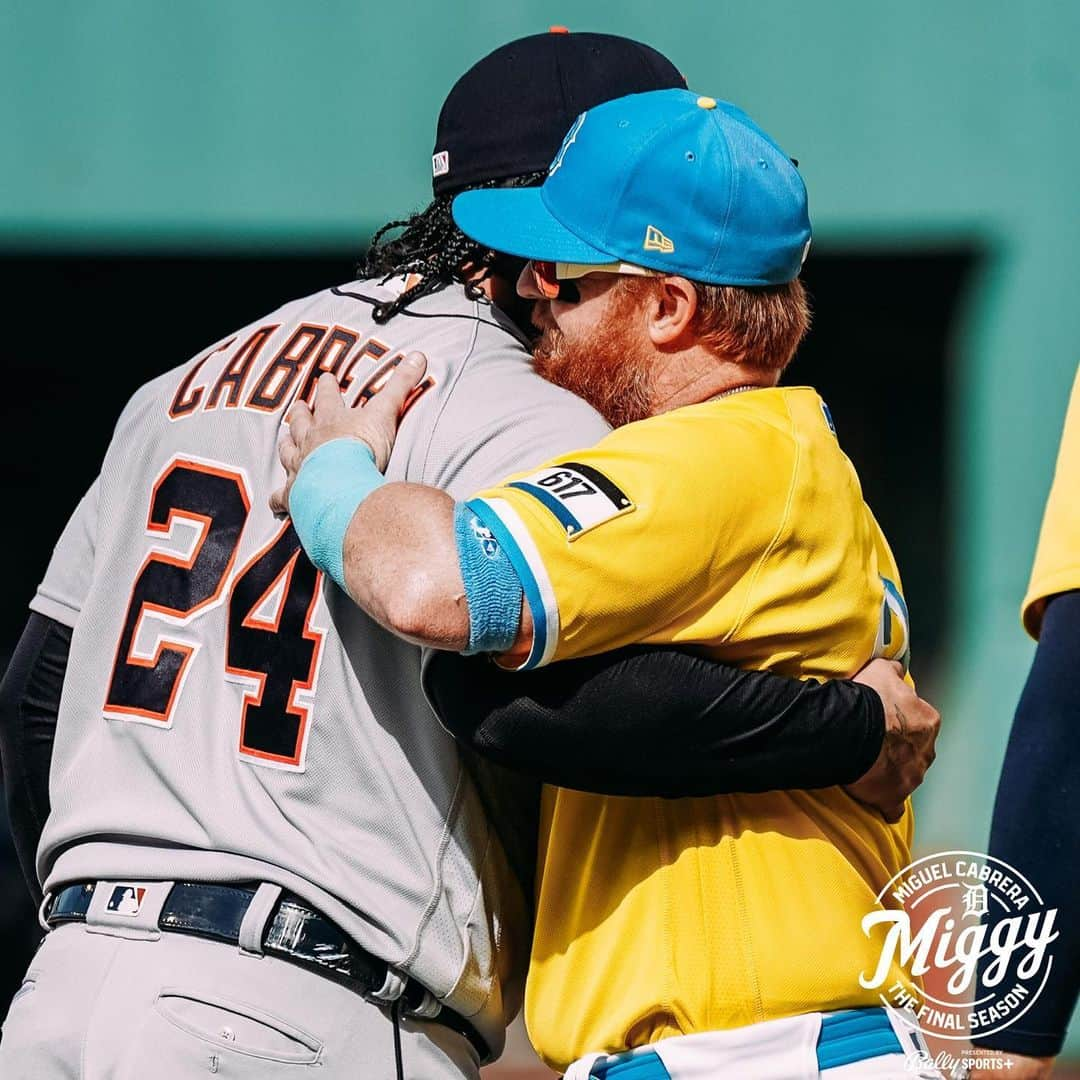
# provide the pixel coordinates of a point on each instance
(430, 244)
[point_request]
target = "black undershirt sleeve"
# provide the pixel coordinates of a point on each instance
(29, 703)
(1036, 828)
(658, 721)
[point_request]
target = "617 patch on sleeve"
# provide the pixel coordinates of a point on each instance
(579, 496)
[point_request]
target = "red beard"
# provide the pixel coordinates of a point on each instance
(607, 367)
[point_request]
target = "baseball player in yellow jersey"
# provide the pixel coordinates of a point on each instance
(1040, 779)
(706, 937)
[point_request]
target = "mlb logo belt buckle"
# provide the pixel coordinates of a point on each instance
(129, 908)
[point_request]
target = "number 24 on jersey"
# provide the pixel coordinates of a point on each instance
(270, 641)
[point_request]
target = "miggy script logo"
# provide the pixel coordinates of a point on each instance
(965, 944)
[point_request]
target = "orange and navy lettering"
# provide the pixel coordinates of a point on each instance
(186, 399)
(277, 380)
(236, 370)
(271, 647)
(216, 499)
(330, 357)
(309, 351)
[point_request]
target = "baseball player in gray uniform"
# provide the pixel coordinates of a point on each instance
(263, 856)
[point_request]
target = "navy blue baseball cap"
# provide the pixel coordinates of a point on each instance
(667, 180)
(508, 113)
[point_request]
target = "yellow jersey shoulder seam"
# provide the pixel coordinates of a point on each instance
(779, 528)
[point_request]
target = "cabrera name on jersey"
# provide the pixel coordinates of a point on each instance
(241, 373)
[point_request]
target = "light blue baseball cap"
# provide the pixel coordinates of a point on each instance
(668, 180)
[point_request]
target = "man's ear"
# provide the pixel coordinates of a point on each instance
(673, 310)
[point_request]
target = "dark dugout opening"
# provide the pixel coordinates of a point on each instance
(881, 354)
(84, 331)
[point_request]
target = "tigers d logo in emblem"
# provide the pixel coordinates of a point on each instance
(965, 944)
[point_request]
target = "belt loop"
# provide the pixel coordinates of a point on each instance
(250, 937)
(393, 986)
(429, 1008)
(43, 911)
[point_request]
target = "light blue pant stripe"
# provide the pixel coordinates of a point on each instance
(639, 1067)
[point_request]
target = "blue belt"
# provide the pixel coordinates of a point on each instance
(846, 1036)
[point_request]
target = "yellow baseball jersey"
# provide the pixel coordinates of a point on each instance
(1057, 560)
(737, 525)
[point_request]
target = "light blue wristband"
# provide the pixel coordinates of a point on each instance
(333, 481)
(492, 587)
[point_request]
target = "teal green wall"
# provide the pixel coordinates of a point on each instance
(229, 123)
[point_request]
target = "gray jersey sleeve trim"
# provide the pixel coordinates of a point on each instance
(52, 607)
(63, 590)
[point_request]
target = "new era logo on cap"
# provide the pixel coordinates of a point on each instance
(440, 163)
(655, 240)
(126, 900)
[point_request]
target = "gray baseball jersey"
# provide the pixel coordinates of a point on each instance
(227, 713)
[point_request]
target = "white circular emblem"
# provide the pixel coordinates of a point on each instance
(973, 932)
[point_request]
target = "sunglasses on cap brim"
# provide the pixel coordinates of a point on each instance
(555, 280)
